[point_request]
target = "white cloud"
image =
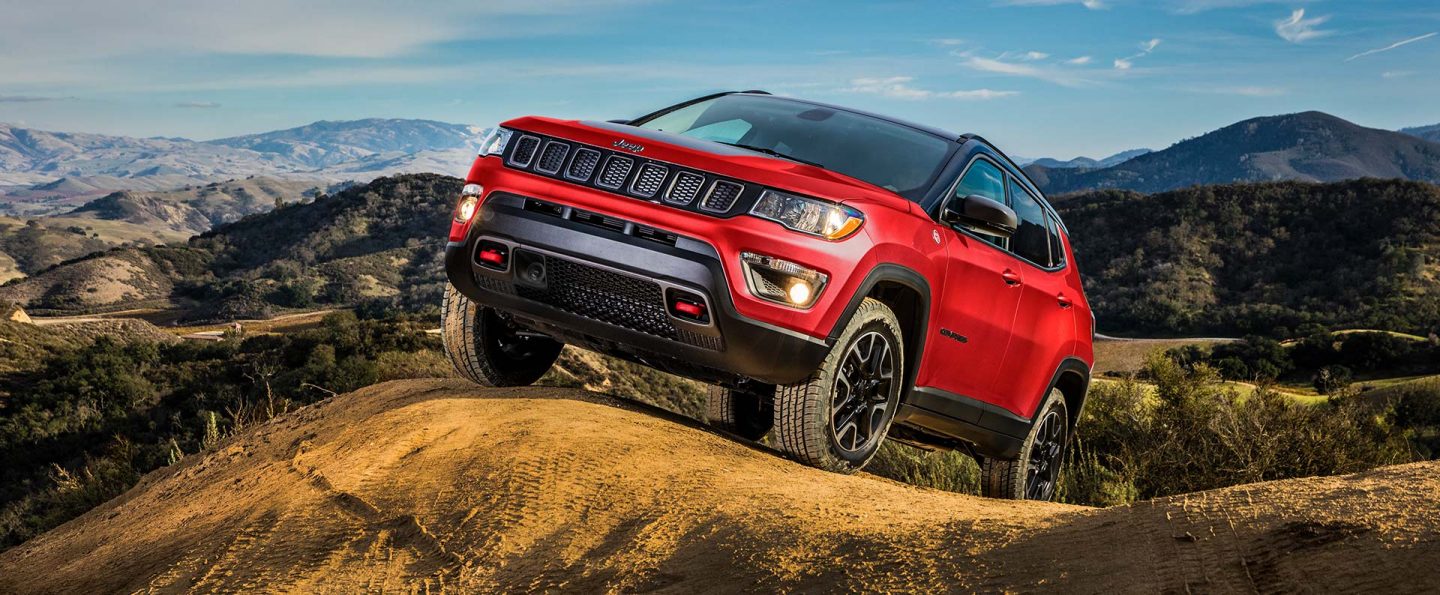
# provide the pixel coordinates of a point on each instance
(1198, 6)
(1079, 61)
(1392, 46)
(31, 98)
(948, 41)
(1090, 4)
(197, 104)
(898, 87)
(1128, 62)
(1066, 77)
(1298, 29)
(1036, 56)
(1397, 74)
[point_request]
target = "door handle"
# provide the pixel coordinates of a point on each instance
(1064, 301)
(1011, 278)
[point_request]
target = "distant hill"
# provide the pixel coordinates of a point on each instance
(1261, 258)
(1310, 146)
(1430, 133)
(327, 143)
(1088, 163)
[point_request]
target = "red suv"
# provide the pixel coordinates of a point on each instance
(837, 276)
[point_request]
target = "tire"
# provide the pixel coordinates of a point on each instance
(487, 349)
(812, 428)
(1036, 474)
(748, 414)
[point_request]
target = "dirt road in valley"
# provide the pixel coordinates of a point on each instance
(437, 486)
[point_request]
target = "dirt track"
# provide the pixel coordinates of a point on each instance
(434, 486)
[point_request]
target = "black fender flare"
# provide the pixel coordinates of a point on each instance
(902, 275)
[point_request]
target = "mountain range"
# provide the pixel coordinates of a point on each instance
(1085, 162)
(48, 172)
(1430, 133)
(1309, 146)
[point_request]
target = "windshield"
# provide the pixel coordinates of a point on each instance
(889, 155)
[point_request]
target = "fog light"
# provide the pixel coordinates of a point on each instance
(781, 281)
(469, 200)
(799, 293)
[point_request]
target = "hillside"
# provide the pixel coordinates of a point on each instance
(328, 143)
(1430, 133)
(1265, 259)
(434, 485)
(1088, 163)
(1309, 146)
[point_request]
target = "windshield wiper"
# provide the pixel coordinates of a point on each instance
(772, 153)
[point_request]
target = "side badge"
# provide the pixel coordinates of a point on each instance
(935, 235)
(949, 334)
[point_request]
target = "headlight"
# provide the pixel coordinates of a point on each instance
(782, 281)
(469, 199)
(823, 218)
(494, 142)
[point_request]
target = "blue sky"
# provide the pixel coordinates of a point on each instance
(1040, 77)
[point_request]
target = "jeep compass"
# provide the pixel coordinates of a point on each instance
(838, 277)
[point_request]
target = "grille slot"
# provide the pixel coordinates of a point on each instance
(552, 157)
(684, 188)
(647, 183)
(582, 166)
(524, 152)
(616, 170)
(721, 197)
(597, 220)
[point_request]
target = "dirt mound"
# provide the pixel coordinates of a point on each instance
(436, 486)
(106, 281)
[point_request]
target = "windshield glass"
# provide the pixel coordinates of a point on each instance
(889, 155)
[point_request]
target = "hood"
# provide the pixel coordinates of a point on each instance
(725, 160)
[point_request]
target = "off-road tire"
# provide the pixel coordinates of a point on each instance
(803, 411)
(483, 346)
(747, 413)
(1008, 479)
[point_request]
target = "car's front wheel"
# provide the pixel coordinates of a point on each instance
(1036, 474)
(490, 350)
(837, 418)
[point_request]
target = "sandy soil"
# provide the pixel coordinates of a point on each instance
(434, 486)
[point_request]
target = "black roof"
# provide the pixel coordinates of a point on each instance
(940, 132)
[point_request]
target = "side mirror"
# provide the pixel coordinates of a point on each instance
(981, 215)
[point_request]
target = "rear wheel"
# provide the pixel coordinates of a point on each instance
(837, 419)
(744, 412)
(488, 349)
(1036, 474)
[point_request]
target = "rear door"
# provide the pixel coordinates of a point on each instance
(977, 305)
(1043, 332)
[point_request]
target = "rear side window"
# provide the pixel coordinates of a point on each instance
(1031, 240)
(984, 179)
(1057, 248)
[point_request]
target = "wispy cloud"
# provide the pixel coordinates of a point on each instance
(898, 87)
(948, 41)
(1392, 46)
(1065, 77)
(30, 98)
(1396, 74)
(1199, 6)
(1079, 61)
(1128, 62)
(197, 104)
(1255, 91)
(1298, 29)
(1090, 4)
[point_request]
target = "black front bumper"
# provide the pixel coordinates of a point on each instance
(607, 288)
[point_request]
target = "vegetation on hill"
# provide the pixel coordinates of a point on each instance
(1265, 259)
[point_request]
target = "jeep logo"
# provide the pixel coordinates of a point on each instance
(628, 146)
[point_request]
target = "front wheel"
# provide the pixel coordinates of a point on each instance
(837, 418)
(490, 350)
(1036, 474)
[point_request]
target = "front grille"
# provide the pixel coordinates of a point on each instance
(552, 157)
(631, 175)
(721, 197)
(647, 182)
(685, 188)
(615, 172)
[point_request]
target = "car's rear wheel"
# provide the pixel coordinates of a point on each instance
(745, 412)
(1035, 475)
(489, 349)
(837, 418)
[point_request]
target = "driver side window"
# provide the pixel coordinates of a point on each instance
(985, 179)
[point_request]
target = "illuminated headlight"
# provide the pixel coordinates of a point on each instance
(494, 142)
(782, 281)
(826, 219)
(469, 200)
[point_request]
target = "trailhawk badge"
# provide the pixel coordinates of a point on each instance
(628, 146)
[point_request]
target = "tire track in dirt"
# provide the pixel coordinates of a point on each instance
(438, 487)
